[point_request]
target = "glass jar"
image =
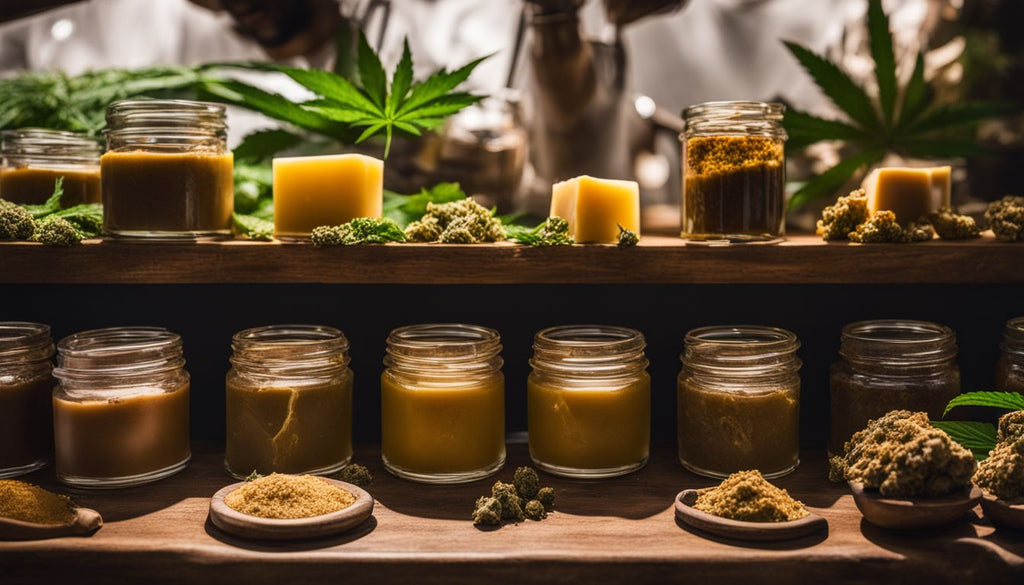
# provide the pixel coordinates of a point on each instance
(1010, 368)
(34, 158)
(739, 401)
(443, 403)
(589, 401)
(120, 413)
(167, 172)
(289, 401)
(734, 172)
(890, 365)
(26, 384)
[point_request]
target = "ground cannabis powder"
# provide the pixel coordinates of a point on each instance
(747, 496)
(30, 503)
(289, 496)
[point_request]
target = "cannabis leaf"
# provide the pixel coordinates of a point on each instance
(1007, 400)
(979, 437)
(916, 127)
(355, 110)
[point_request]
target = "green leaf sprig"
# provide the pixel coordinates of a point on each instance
(910, 122)
(979, 437)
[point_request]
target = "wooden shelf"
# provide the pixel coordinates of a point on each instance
(658, 260)
(614, 530)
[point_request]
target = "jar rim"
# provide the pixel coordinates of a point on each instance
(736, 335)
(737, 109)
(443, 350)
(898, 342)
(290, 350)
(589, 351)
(119, 351)
(20, 339)
(292, 334)
(1013, 336)
(152, 118)
(741, 350)
(45, 144)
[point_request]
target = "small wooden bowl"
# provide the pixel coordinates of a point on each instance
(253, 527)
(86, 522)
(913, 513)
(1001, 513)
(740, 530)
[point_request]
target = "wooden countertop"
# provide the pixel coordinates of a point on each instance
(619, 530)
(802, 259)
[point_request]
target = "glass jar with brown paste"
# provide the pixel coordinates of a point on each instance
(1010, 368)
(120, 413)
(34, 158)
(739, 401)
(890, 365)
(289, 401)
(26, 384)
(734, 172)
(167, 172)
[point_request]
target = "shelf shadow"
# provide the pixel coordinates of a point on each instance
(792, 544)
(291, 545)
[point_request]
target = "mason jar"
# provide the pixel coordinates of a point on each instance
(589, 401)
(734, 172)
(33, 159)
(289, 401)
(167, 172)
(26, 384)
(120, 412)
(443, 403)
(890, 365)
(1010, 368)
(739, 401)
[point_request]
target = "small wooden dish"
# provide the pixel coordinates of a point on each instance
(1001, 513)
(86, 521)
(913, 513)
(253, 527)
(740, 530)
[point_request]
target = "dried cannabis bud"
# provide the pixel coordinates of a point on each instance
(627, 238)
(921, 231)
(487, 512)
(837, 221)
(901, 455)
(534, 510)
(511, 504)
(527, 482)
(953, 226)
(15, 222)
(355, 474)
(748, 496)
(546, 496)
(880, 229)
(1011, 427)
(553, 232)
(1002, 474)
(56, 231)
(361, 230)
(458, 222)
(837, 469)
(1006, 218)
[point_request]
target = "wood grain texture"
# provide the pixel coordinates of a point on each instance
(608, 531)
(800, 260)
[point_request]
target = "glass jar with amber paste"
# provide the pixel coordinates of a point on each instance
(1010, 368)
(120, 413)
(442, 406)
(289, 401)
(890, 365)
(26, 384)
(739, 401)
(167, 172)
(34, 158)
(589, 401)
(734, 172)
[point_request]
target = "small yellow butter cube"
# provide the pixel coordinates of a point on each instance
(909, 193)
(595, 208)
(311, 191)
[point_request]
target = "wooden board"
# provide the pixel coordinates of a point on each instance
(618, 530)
(658, 259)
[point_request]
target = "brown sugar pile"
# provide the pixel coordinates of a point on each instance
(289, 496)
(747, 496)
(30, 503)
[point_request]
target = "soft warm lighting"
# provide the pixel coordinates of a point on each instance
(645, 106)
(62, 29)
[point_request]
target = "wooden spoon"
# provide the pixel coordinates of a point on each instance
(85, 522)
(245, 526)
(741, 530)
(913, 513)
(1001, 513)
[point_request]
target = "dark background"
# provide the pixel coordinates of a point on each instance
(207, 316)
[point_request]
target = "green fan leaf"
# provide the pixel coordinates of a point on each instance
(804, 129)
(401, 81)
(269, 104)
(437, 86)
(885, 59)
(335, 88)
(831, 180)
(839, 87)
(979, 437)
(443, 106)
(259, 146)
(1007, 400)
(960, 115)
(915, 96)
(371, 73)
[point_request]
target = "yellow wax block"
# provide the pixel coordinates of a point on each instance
(595, 208)
(909, 193)
(311, 191)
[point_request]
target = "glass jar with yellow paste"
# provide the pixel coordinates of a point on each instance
(289, 401)
(739, 401)
(589, 401)
(26, 385)
(1010, 368)
(443, 403)
(35, 158)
